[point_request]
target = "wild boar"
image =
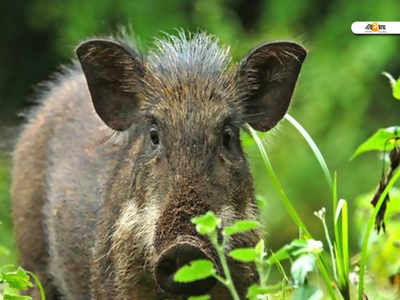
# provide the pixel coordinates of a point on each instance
(125, 148)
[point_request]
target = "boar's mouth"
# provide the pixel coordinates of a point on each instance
(176, 256)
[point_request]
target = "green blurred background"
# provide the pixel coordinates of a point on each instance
(341, 97)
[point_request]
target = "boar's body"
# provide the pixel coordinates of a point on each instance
(123, 151)
(60, 170)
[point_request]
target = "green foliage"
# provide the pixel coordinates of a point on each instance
(16, 279)
(306, 252)
(241, 227)
(244, 254)
(384, 140)
(196, 270)
(203, 297)
(395, 84)
(206, 224)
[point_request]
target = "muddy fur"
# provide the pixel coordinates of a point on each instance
(123, 151)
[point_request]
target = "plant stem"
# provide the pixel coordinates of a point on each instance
(228, 282)
(367, 235)
(260, 270)
(328, 239)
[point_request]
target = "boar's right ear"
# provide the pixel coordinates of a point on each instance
(113, 74)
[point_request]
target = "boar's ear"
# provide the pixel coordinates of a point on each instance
(269, 74)
(113, 74)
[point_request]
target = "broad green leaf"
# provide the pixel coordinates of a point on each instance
(301, 267)
(244, 254)
(17, 279)
(307, 292)
(382, 140)
(207, 223)
(202, 297)
(196, 270)
(240, 227)
(395, 84)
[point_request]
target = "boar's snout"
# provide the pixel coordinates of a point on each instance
(175, 257)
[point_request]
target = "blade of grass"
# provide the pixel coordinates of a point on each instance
(288, 205)
(345, 239)
(274, 179)
(342, 251)
(317, 153)
(38, 284)
(345, 249)
(334, 194)
(339, 243)
(367, 235)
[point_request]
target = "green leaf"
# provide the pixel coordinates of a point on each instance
(18, 279)
(196, 270)
(255, 291)
(307, 292)
(202, 297)
(382, 140)
(286, 251)
(394, 84)
(244, 254)
(240, 227)
(301, 267)
(207, 223)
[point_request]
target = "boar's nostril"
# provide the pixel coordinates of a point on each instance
(173, 259)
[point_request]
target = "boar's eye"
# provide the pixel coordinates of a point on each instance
(154, 136)
(227, 137)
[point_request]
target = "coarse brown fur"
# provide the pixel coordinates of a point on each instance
(95, 203)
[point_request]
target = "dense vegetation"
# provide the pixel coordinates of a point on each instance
(341, 98)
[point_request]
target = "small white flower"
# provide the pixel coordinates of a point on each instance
(314, 246)
(320, 213)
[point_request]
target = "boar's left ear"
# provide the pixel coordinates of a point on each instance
(269, 74)
(113, 72)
